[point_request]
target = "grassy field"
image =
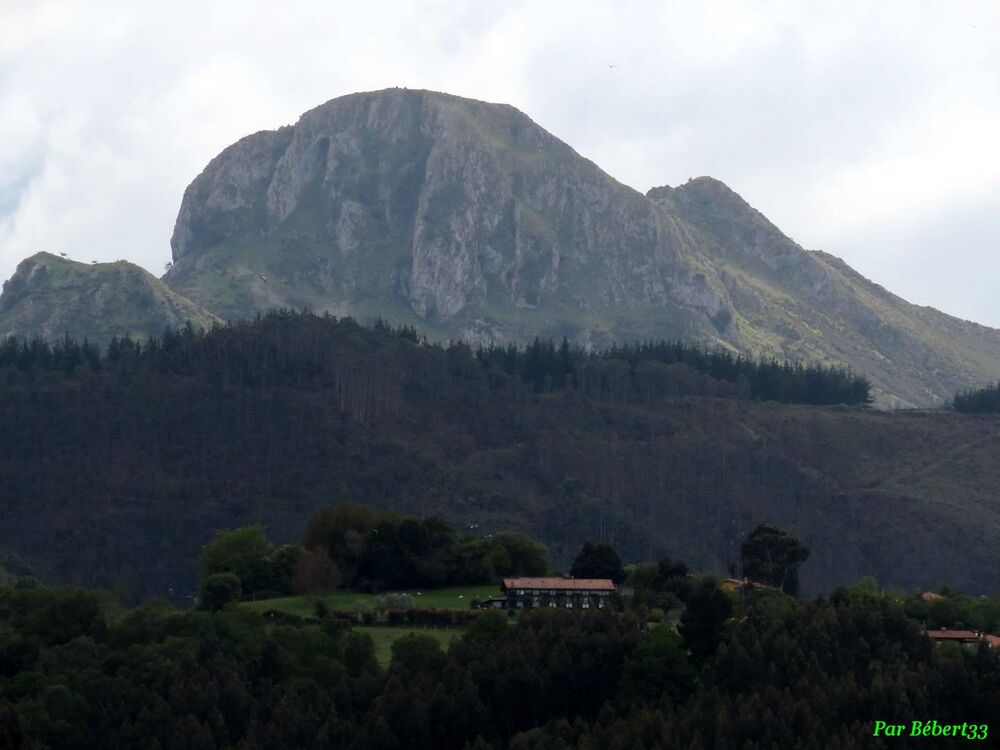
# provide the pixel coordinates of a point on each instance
(385, 635)
(449, 598)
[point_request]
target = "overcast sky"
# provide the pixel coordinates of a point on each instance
(868, 129)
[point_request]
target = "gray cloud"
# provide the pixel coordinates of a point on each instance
(865, 129)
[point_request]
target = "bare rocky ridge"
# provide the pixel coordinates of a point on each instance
(468, 220)
(50, 297)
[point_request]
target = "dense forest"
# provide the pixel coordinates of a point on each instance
(547, 367)
(985, 400)
(758, 671)
(542, 364)
(119, 465)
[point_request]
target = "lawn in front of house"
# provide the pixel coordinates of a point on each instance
(455, 597)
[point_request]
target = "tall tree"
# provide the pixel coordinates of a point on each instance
(773, 556)
(704, 618)
(598, 561)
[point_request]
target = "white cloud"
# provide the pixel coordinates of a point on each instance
(846, 123)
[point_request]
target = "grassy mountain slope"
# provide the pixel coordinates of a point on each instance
(467, 220)
(125, 473)
(49, 297)
(811, 306)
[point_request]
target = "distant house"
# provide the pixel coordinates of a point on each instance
(993, 641)
(564, 593)
(741, 584)
(967, 638)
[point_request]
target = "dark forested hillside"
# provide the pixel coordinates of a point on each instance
(985, 400)
(781, 673)
(118, 468)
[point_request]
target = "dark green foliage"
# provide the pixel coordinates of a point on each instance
(704, 620)
(598, 561)
(773, 556)
(242, 552)
(416, 653)
(488, 628)
(984, 400)
(659, 666)
(219, 589)
(65, 356)
(377, 550)
(139, 462)
(513, 554)
(787, 673)
(952, 610)
(548, 367)
(672, 576)
(260, 570)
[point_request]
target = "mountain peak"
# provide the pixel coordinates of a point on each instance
(50, 295)
(466, 220)
(700, 192)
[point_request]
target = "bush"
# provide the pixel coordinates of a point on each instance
(320, 608)
(218, 590)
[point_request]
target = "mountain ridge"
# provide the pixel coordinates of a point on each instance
(509, 234)
(466, 220)
(50, 296)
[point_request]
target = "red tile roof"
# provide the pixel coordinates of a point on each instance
(563, 584)
(993, 640)
(953, 635)
(741, 582)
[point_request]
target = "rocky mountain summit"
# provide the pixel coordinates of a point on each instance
(463, 217)
(49, 297)
(467, 219)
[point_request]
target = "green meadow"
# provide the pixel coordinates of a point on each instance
(457, 597)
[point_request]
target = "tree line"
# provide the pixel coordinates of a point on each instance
(985, 400)
(673, 366)
(360, 548)
(543, 363)
(751, 671)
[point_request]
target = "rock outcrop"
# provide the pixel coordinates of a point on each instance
(50, 297)
(466, 219)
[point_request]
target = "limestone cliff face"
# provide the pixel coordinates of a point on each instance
(50, 297)
(468, 220)
(454, 210)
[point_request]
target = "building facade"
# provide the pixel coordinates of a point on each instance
(564, 593)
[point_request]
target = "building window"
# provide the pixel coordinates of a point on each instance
(569, 604)
(552, 602)
(520, 604)
(536, 602)
(586, 604)
(600, 604)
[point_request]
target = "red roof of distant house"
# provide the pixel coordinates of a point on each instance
(993, 640)
(744, 582)
(953, 635)
(930, 596)
(564, 584)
